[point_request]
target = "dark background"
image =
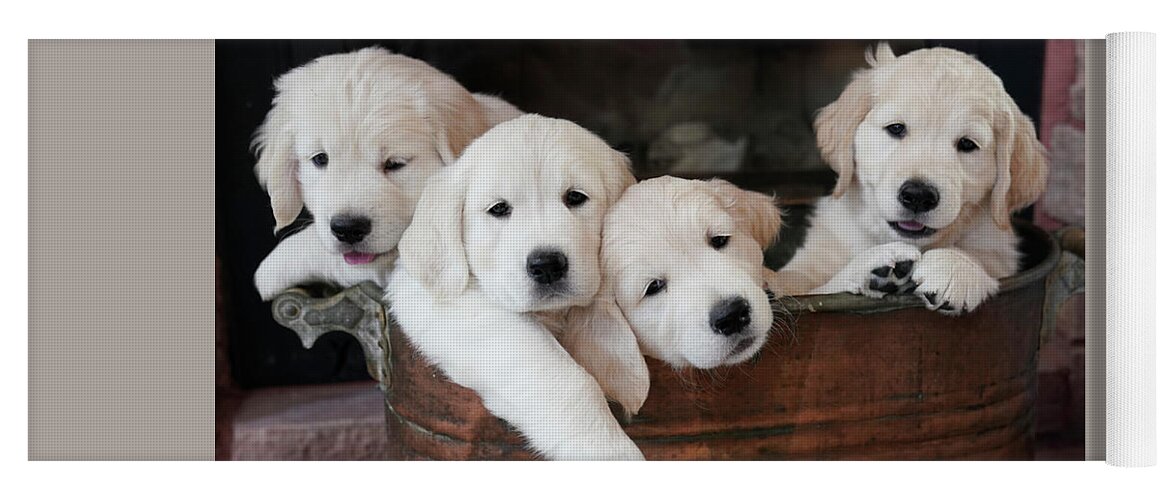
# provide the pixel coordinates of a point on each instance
(576, 80)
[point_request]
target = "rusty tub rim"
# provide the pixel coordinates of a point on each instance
(860, 304)
(359, 311)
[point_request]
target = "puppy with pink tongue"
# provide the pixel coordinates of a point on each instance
(353, 138)
(933, 157)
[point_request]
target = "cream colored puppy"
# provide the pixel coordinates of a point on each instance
(932, 157)
(353, 137)
(684, 272)
(684, 277)
(503, 249)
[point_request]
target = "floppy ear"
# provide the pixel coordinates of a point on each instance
(276, 165)
(617, 177)
(754, 212)
(1021, 166)
(496, 110)
(432, 247)
(457, 119)
(601, 341)
(835, 124)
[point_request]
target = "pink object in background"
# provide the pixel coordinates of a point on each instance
(1062, 130)
(1061, 371)
(1062, 75)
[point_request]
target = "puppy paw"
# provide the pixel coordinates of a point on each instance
(876, 272)
(888, 269)
(950, 282)
(890, 279)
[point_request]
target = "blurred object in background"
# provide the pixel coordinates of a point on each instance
(1061, 370)
(1063, 133)
(692, 148)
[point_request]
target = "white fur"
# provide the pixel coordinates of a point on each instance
(662, 229)
(941, 95)
(885, 255)
(361, 109)
(465, 301)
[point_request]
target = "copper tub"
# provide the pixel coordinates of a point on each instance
(857, 378)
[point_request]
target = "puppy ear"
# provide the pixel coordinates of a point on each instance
(496, 110)
(457, 119)
(601, 341)
(616, 177)
(754, 212)
(1021, 166)
(432, 248)
(276, 165)
(835, 124)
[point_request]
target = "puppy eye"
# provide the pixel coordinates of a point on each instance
(320, 160)
(392, 164)
(500, 210)
(574, 198)
(655, 286)
(965, 145)
(896, 130)
(719, 242)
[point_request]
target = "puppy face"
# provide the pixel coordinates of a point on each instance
(521, 212)
(684, 260)
(923, 138)
(353, 137)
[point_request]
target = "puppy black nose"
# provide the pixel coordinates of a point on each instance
(349, 228)
(730, 316)
(918, 196)
(547, 266)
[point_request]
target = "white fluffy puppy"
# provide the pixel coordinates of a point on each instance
(353, 137)
(933, 157)
(683, 268)
(503, 247)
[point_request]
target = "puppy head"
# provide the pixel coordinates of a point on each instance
(353, 137)
(922, 136)
(521, 212)
(683, 260)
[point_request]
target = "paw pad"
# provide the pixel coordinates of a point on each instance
(883, 286)
(903, 269)
(891, 279)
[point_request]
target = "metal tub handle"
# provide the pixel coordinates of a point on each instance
(357, 311)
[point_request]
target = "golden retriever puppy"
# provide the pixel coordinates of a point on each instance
(503, 247)
(683, 274)
(353, 137)
(932, 157)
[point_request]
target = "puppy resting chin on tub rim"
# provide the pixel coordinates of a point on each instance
(683, 273)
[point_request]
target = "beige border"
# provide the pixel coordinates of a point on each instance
(121, 246)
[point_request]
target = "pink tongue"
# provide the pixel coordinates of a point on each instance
(355, 258)
(910, 225)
